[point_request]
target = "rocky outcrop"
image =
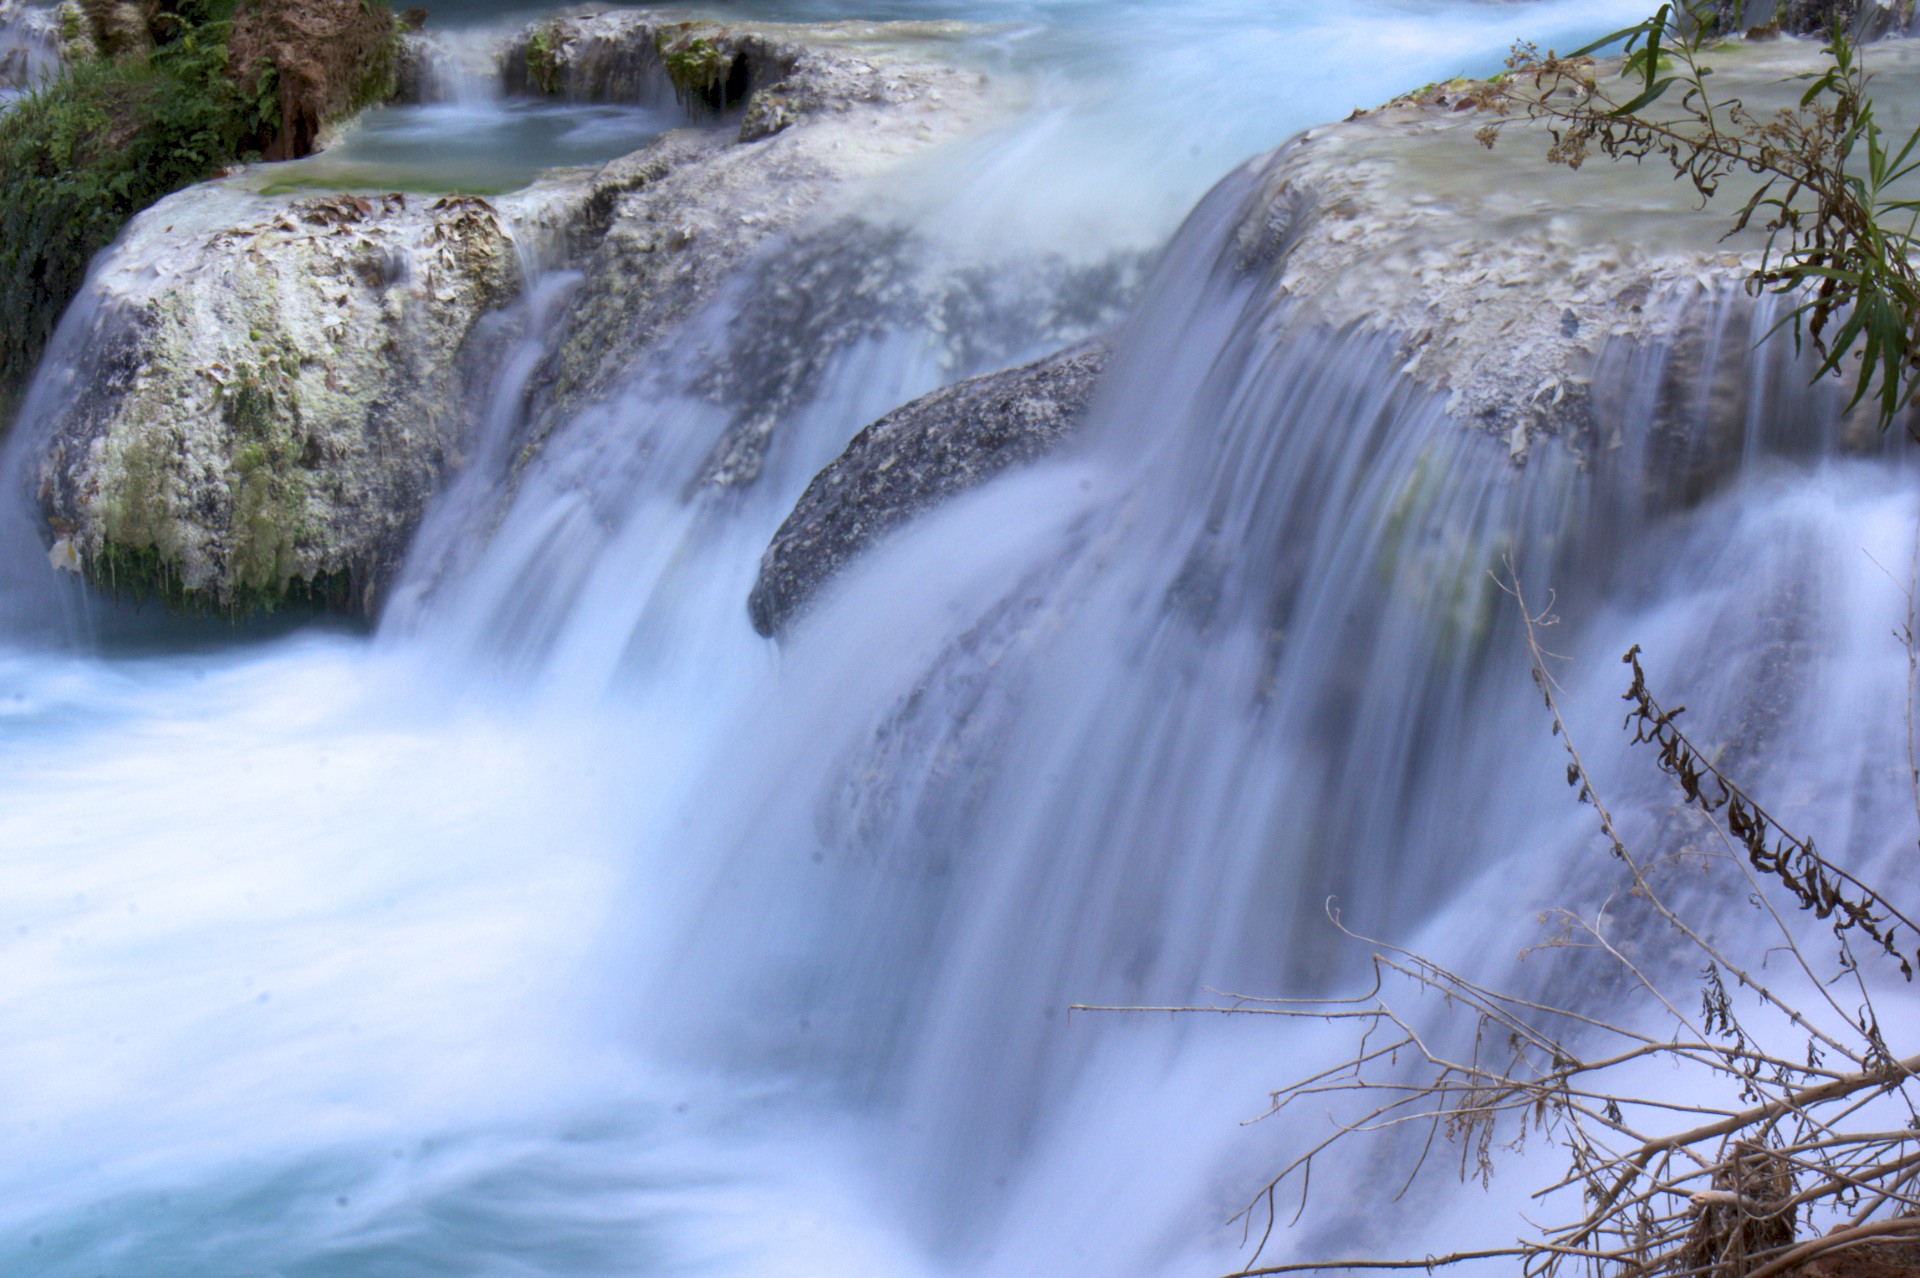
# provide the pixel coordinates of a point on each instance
(1864, 18)
(827, 107)
(266, 400)
(273, 386)
(327, 59)
(121, 28)
(1505, 281)
(914, 458)
(779, 72)
(1504, 286)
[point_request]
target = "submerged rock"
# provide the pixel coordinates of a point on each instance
(914, 458)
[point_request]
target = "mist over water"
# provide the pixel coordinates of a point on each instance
(563, 926)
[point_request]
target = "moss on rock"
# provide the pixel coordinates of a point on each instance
(702, 73)
(144, 573)
(544, 68)
(286, 395)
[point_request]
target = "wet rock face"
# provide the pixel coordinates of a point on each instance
(835, 285)
(667, 226)
(264, 415)
(1863, 18)
(912, 459)
(330, 58)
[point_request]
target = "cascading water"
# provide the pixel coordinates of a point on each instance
(28, 35)
(564, 926)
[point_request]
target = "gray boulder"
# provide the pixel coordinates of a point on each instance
(914, 458)
(266, 393)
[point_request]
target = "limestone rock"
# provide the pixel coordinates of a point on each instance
(669, 224)
(914, 458)
(268, 391)
(1507, 282)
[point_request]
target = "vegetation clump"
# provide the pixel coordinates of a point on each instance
(216, 82)
(83, 153)
(143, 573)
(701, 72)
(543, 58)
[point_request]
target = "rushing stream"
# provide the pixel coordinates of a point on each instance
(563, 926)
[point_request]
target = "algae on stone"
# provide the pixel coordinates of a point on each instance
(290, 394)
(697, 68)
(544, 67)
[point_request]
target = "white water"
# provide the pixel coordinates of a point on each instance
(565, 927)
(26, 47)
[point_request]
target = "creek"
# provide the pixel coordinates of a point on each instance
(561, 925)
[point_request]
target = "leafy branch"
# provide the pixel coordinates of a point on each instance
(1840, 237)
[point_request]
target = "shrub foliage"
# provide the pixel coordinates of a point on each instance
(83, 153)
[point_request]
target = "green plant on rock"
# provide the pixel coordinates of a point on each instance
(1841, 234)
(83, 153)
(142, 573)
(696, 67)
(543, 58)
(269, 519)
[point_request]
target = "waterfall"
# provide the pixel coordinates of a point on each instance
(562, 925)
(28, 47)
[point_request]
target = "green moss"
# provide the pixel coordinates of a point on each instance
(697, 68)
(381, 78)
(543, 58)
(268, 485)
(137, 574)
(269, 521)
